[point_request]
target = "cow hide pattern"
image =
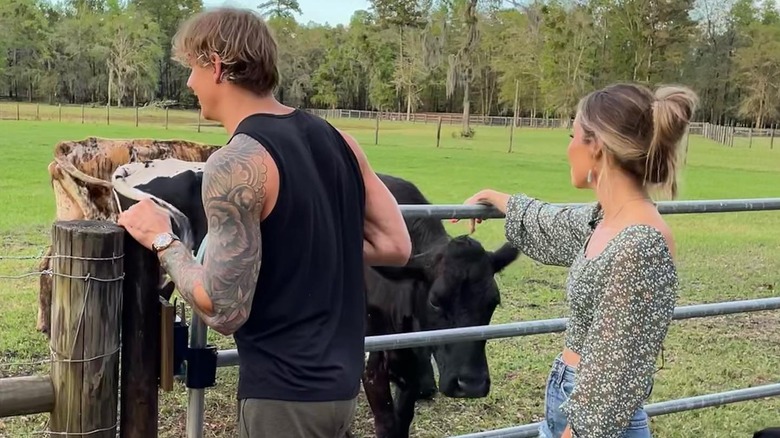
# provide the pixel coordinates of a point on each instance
(81, 173)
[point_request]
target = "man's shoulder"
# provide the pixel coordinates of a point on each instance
(323, 123)
(240, 146)
(241, 140)
(242, 151)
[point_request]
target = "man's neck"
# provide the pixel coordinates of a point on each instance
(241, 105)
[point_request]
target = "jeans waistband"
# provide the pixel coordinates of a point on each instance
(561, 371)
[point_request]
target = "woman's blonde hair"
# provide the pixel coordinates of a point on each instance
(640, 129)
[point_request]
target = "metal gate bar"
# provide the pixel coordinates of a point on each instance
(655, 409)
(460, 211)
(226, 358)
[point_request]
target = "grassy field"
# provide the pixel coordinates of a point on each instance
(721, 257)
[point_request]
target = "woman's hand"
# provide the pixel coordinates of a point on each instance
(485, 197)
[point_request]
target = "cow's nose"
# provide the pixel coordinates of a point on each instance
(474, 386)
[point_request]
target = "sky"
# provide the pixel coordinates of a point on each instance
(332, 12)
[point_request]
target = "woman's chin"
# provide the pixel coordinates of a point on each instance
(577, 183)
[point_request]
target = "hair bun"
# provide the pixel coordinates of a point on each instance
(680, 101)
(672, 111)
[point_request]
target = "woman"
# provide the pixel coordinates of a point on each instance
(622, 281)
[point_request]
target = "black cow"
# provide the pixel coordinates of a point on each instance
(770, 432)
(448, 283)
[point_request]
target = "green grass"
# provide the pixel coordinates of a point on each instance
(721, 257)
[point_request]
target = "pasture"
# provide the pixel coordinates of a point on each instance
(721, 257)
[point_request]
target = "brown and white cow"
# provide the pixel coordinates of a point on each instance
(81, 175)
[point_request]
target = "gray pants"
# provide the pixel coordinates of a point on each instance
(259, 418)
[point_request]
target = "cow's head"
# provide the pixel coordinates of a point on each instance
(461, 291)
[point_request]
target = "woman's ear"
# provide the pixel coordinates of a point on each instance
(597, 150)
(595, 155)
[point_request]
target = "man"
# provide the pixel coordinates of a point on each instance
(294, 211)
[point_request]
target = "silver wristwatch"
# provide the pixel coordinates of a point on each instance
(163, 241)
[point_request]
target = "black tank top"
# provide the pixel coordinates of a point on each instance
(304, 338)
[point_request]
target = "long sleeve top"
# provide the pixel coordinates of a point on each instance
(621, 303)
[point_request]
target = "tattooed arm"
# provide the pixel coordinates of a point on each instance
(234, 191)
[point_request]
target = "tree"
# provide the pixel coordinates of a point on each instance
(280, 9)
(461, 64)
(414, 55)
(565, 57)
(133, 50)
(759, 72)
(168, 15)
(403, 15)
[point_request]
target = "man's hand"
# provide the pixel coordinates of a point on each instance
(144, 221)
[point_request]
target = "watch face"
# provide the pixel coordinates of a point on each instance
(162, 240)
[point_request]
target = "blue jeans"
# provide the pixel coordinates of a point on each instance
(560, 385)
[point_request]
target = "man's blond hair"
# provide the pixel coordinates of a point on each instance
(242, 40)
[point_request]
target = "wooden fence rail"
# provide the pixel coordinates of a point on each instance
(725, 134)
(166, 117)
(26, 395)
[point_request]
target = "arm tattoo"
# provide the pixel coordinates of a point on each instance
(233, 196)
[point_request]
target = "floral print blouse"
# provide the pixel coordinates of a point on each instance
(621, 303)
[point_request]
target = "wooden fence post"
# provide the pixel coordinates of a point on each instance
(140, 343)
(438, 133)
(511, 136)
(86, 309)
(731, 134)
(376, 129)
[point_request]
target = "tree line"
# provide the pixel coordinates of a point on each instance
(456, 56)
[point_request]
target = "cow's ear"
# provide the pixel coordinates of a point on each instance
(502, 257)
(418, 268)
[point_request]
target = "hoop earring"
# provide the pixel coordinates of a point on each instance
(590, 176)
